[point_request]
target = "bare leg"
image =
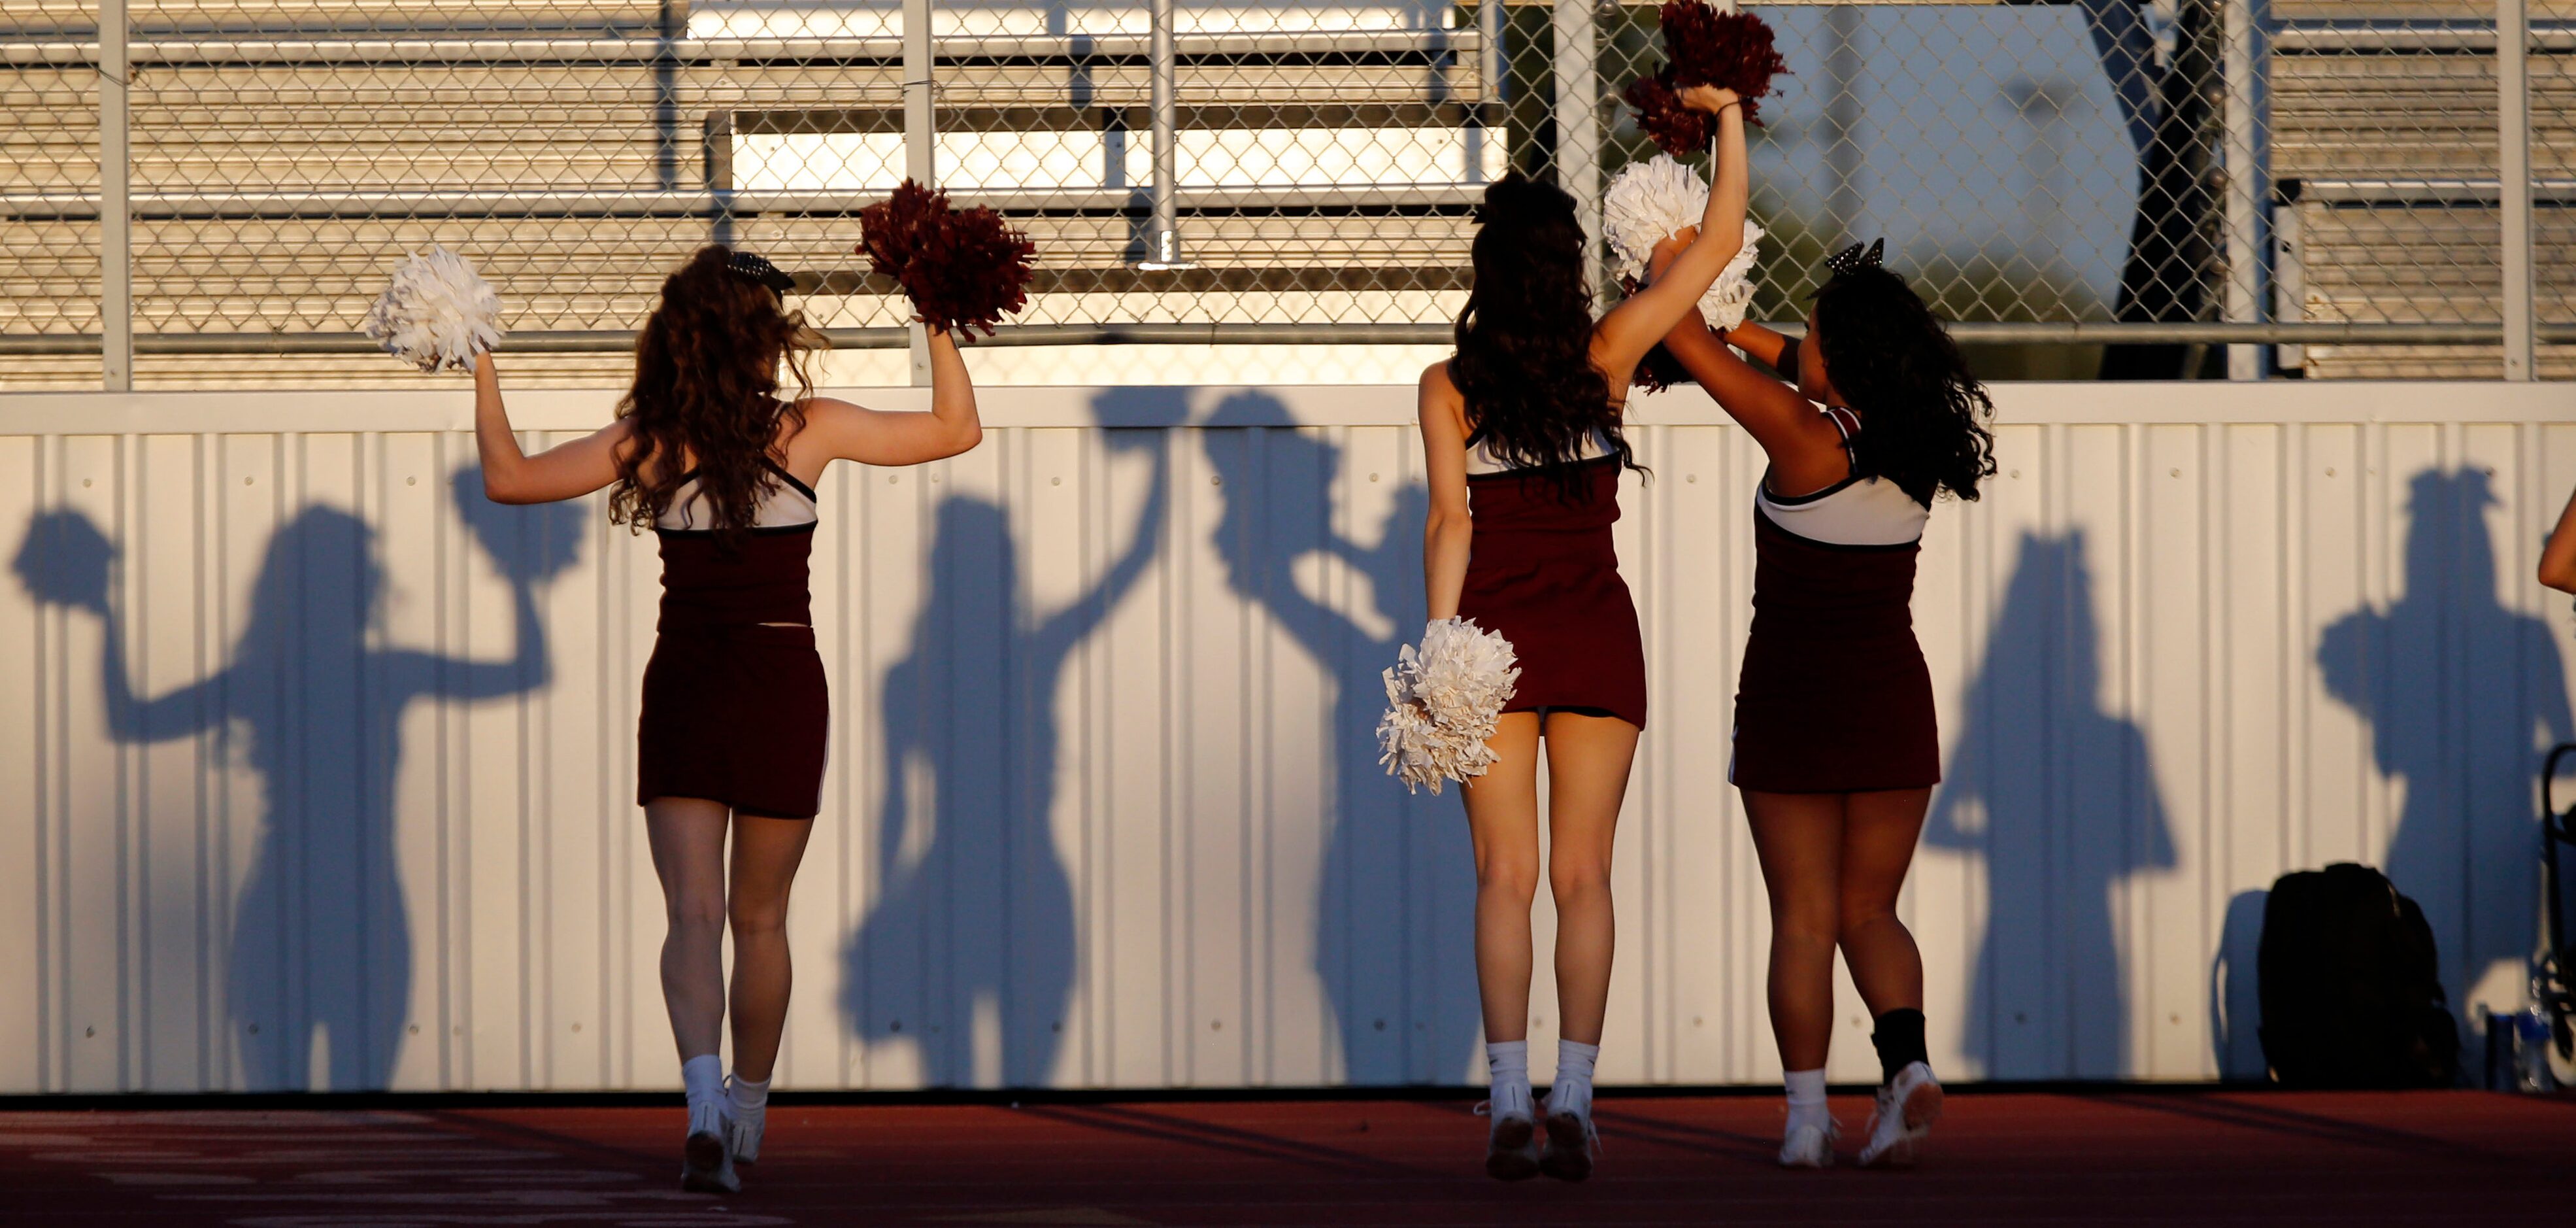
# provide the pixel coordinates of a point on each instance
(1587, 775)
(1798, 837)
(1879, 833)
(765, 855)
(1502, 820)
(687, 835)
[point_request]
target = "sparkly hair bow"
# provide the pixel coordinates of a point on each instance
(758, 269)
(1852, 259)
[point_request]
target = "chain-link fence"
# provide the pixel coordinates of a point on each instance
(2325, 187)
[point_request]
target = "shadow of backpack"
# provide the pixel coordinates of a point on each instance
(2351, 985)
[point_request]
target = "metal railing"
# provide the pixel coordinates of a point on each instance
(2202, 186)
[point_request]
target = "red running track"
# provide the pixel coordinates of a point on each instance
(2147, 1157)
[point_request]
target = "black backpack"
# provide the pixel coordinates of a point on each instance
(2351, 986)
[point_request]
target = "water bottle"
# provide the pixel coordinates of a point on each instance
(2531, 1052)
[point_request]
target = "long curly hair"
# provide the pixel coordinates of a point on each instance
(1923, 414)
(1524, 362)
(707, 368)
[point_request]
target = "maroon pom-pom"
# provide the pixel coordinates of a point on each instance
(1704, 47)
(963, 268)
(1680, 131)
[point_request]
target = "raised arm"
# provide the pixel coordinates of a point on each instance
(1448, 532)
(884, 437)
(1634, 326)
(566, 471)
(1806, 451)
(1767, 347)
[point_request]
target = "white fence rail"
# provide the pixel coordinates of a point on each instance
(316, 770)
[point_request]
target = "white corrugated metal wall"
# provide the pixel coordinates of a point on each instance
(316, 770)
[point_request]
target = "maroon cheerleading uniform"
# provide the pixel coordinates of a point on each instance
(1834, 697)
(735, 709)
(1544, 574)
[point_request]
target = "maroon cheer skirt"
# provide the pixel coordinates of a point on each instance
(1544, 575)
(735, 714)
(1834, 696)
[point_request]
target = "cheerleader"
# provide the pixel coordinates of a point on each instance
(731, 740)
(1521, 438)
(1835, 749)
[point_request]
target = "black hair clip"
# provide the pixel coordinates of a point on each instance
(754, 268)
(1852, 259)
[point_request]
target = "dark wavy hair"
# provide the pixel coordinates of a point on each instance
(1923, 414)
(707, 367)
(1524, 363)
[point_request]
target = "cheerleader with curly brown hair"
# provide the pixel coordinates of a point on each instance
(722, 464)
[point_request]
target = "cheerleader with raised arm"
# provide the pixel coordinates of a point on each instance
(1522, 440)
(1835, 748)
(722, 463)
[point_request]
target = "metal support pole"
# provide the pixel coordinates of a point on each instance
(1163, 241)
(115, 190)
(2289, 280)
(1491, 67)
(2242, 155)
(920, 139)
(1578, 128)
(2513, 139)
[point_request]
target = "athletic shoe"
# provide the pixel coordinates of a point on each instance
(1810, 1146)
(742, 1133)
(706, 1166)
(706, 1163)
(1906, 1110)
(1572, 1144)
(1511, 1146)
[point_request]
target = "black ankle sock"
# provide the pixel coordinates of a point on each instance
(1899, 1038)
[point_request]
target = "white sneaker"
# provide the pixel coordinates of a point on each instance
(742, 1133)
(1809, 1145)
(1511, 1146)
(706, 1163)
(1906, 1110)
(1572, 1144)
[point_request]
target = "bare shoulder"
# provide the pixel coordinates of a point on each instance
(1440, 399)
(828, 409)
(816, 432)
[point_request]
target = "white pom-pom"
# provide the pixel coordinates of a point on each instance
(437, 312)
(1651, 201)
(1443, 703)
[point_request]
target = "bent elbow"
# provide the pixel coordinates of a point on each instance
(967, 437)
(503, 491)
(2560, 576)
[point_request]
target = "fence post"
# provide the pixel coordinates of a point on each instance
(2513, 182)
(1163, 245)
(920, 139)
(115, 212)
(1578, 128)
(2246, 171)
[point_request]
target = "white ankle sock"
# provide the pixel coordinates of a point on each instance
(1572, 1091)
(1807, 1099)
(703, 1076)
(747, 1096)
(1507, 1063)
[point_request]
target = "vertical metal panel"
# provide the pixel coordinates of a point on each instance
(345, 800)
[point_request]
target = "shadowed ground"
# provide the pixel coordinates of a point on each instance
(2135, 1157)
